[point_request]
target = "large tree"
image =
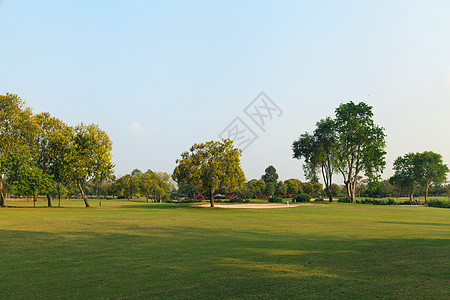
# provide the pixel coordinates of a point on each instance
(88, 156)
(360, 145)
(17, 130)
(211, 166)
(318, 150)
(51, 143)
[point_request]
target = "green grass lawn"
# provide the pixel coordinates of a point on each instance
(132, 249)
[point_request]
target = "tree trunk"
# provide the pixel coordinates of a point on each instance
(86, 203)
(353, 192)
(2, 199)
(59, 195)
(34, 198)
(49, 200)
(330, 196)
(211, 198)
(348, 191)
(426, 191)
(411, 196)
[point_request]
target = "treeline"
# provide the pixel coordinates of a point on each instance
(42, 155)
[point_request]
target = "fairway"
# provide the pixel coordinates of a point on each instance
(127, 249)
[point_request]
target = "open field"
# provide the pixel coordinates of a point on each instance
(132, 249)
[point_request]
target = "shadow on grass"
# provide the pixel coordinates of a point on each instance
(417, 223)
(202, 263)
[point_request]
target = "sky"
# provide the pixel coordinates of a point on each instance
(159, 76)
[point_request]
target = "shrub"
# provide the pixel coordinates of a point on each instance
(303, 197)
(319, 200)
(408, 202)
(439, 203)
(391, 202)
(344, 200)
(239, 200)
(275, 199)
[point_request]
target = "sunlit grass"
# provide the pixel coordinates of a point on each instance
(133, 249)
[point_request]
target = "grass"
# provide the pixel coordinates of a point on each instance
(132, 249)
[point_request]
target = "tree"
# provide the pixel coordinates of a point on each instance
(270, 175)
(318, 150)
(270, 189)
(252, 188)
(414, 169)
(17, 130)
(89, 156)
(360, 145)
(127, 186)
(210, 166)
(293, 186)
(431, 170)
(136, 172)
(335, 190)
(405, 176)
(51, 140)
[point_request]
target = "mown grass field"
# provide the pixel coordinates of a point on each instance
(130, 249)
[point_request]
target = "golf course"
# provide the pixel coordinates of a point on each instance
(133, 249)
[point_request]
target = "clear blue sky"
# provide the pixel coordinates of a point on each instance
(158, 76)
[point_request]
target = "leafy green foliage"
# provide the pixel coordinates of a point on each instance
(360, 145)
(211, 166)
(303, 197)
(318, 150)
(270, 175)
(275, 199)
(419, 169)
(439, 203)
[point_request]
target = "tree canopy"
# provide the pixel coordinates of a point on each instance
(210, 166)
(419, 169)
(318, 150)
(360, 145)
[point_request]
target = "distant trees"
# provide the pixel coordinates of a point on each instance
(419, 169)
(210, 166)
(152, 185)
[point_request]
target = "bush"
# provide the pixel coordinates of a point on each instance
(408, 202)
(287, 196)
(439, 203)
(319, 200)
(344, 200)
(239, 200)
(275, 199)
(303, 197)
(378, 202)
